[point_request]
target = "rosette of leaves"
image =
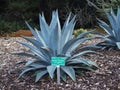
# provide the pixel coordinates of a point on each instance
(112, 39)
(52, 41)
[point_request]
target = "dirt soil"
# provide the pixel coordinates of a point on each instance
(107, 77)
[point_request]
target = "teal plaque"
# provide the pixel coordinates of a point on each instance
(58, 61)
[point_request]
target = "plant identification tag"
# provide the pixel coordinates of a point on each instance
(58, 61)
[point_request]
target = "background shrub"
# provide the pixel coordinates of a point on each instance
(86, 11)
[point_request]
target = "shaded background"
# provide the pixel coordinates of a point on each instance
(13, 13)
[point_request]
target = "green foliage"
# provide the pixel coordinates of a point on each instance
(112, 40)
(78, 31)
(17, 6)
(52, 41)
(9, 27)
(105, 5)
(19, 10)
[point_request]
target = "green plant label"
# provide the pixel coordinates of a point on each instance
(58, 61)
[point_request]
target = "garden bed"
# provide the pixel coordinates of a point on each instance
(107, 77)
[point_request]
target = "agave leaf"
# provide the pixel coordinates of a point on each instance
(32, 30)
(88, 47)
(63, 75)
(118, 18)
(51, 70)
(84, 53)
(72, 27)
(106, 27)
(79, 72)
(114, 23)
(67, 32)
(29, 62)
(40, 38)
(118, 44)
(54, 20)
(59, 36)
(67, 35)
(68, 44)
(36, 35)
(88, 68)
(35, 51)
(77, 61)
(25, 71)
(84, 48)
(40, 74)
(93, 32)
(118, 14)
(24, 54)
(44, 28)
(66, 23)
(43, 18)
(110, 40)
(41, 62)
(47, 51)
(38, 66)
(55, 33)
(91, 63)
(111, 19)
(54, 39)
(82, 68)
(84, 34)
(33, 56)
(113, 14)
(70, 71)
(107, 39)
(106, 45)
(33, 41)
(72, 45)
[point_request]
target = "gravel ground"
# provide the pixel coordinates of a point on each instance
(107, 77)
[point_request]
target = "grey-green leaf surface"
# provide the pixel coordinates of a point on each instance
(40, 74)
(69, 71)
(51, 69)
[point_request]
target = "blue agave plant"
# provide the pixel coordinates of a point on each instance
(52, 41)
(112, 39)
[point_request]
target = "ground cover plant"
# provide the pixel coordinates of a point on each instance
(112, 39)
(52, 41)
(78, 31)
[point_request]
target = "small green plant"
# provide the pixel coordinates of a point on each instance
(112, 40)
(79, 31)
(52, 41)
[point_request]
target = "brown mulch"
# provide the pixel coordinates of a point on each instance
(107, 77)
(18, 33)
